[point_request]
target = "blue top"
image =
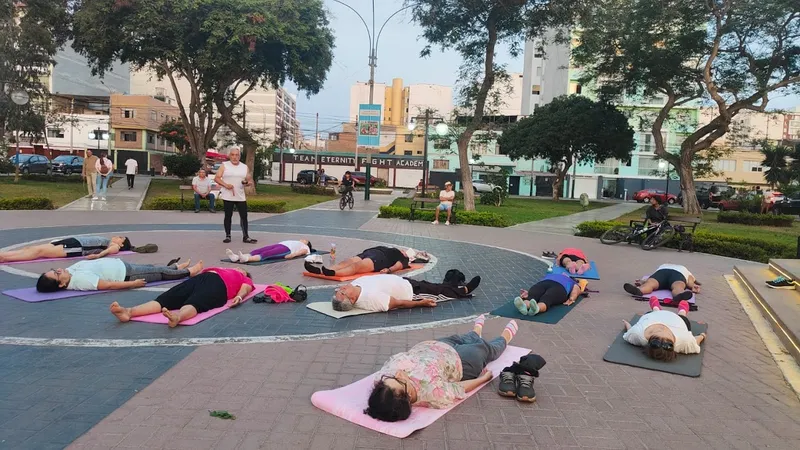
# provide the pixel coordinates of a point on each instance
(561, 279)
(93, 241)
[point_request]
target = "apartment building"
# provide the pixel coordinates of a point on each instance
(400, 104)
(135, 121)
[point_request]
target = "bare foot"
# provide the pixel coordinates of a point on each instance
(173, 318)
(195, 269)
(185, 265)
(123, 314)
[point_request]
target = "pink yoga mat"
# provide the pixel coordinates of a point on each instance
(61, 259)
(159, 318)
(349, 402)
(31, 295)
(663, 293)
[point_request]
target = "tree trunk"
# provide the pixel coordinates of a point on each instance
(466, 171)
(558, 183)
(690, 203)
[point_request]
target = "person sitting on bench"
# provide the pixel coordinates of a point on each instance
(375, 259)
(92, 247)
(208, 290)
(435, 374)
(292, 248)
(554, 289)
(672, 277)
(664, 334)
(382, 293)
(574, 260)
(111, 273)
(446, 198)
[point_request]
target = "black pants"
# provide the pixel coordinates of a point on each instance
(205, 291)
(448, 290)
(242, 208)
(130, 180)
(667, 277)
(548, 292)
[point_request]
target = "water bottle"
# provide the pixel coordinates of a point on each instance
(333, 252)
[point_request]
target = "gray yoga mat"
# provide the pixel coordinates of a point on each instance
(624, 353)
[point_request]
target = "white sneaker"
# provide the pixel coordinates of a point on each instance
(435, 222)
(314, 259)
(104, 198)
(447, 223)
(244, 258)
(232, 256)
(95, 198)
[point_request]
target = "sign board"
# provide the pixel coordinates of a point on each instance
(378, 161)
(369, 125)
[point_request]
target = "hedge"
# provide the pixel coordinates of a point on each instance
(486, 219)
(746, 218)
(313, 189)
(747, 248)
(26, 203)
(174, 204)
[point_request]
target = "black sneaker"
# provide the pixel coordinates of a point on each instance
(781, 283)
(525, 392)
(631, 289)
(508, 384)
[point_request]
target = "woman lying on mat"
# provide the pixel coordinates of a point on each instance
(673, 277)
(435, 374)
(111, 273)
(382, 293)
(574, 260)
(554, 289)
(92, 247)
(664, 334)
(210, 289)
(293, 248)
(375, 259)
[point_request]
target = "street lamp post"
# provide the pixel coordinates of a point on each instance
(441, 129)
(291, 150)
(665, 165)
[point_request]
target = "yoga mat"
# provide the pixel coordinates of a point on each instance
(359, 275)
(349, 402)
(31, 295)
(590, 274)
(273, 260)
(327, 308)
(664, 296)
(63, 259)
(159, 318)
(624, 353)
(551, 316)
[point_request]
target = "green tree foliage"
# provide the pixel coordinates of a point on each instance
(734, 54)
(183, 165)
(776, 160)
(570, 130)
(174, 131)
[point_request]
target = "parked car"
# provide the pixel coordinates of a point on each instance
(734, 203)
(482, 186)
(710, 194)
(307, 177)
(645, 195)
(787, 205)
(33, 164)
(68, 164)
(361, 177)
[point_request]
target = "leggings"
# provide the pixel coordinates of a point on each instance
(242, 208)
(548, 292)
(130, 179)
(426, 287)
(205, 291)
(271, 251)
(150, 273)
(475, 352)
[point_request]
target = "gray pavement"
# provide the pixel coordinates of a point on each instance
(119, 197)
(566, 224)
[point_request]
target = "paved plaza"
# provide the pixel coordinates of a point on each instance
(72, 376)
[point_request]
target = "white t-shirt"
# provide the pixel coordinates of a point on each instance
(86, 274)
(108, 164)
(131, 165)
(376, 291)
(684, 339)
(448, 197)
(295, 246)
(233, 175)
(678, 268)
(203, 185)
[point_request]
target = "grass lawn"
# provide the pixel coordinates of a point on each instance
(169, 188)
(60, 193)
(520, 210)
(781, 235)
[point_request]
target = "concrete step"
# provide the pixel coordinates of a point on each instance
(780, 307)
(789, 268)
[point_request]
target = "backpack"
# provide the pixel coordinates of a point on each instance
(103, 167)
(454, 277)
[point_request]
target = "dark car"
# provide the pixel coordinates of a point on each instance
(361, 177)
(68, 164)
(32, 164)
(787, 205)
(645, 195)
(307, 177)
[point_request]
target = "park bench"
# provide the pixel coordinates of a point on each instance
(430, 204)
(183, 188)
(686, 237)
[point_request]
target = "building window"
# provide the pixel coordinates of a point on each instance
(648, 165)
(151, 139)
(409, 138)
(441, 164)
(333, 137)
(419, 152)
(153, 115)
(539, 52)
(128, 113)
(647, 144)
(609, 166)
(55, 133)
(539, 71)
(128, 136)
(753, 166)
(578, 89)
(725, 165)
(536, 89)
(407, 153)
(441, 144)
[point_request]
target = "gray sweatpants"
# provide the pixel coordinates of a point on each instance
(150, 272)
(475, 352)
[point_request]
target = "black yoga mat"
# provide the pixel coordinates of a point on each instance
(551, 316)
(624, 353)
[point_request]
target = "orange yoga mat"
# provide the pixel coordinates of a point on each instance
(359, 275)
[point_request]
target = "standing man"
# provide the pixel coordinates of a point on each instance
(89, 172)
(446, 198)
(131, 168)
(202, 189)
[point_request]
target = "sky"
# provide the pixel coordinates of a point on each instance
(398, 57)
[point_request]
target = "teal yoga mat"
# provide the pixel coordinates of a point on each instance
(276, 259)
(591, 274)
(551, 316)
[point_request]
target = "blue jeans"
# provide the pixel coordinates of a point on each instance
(210, 198)
(102, 185)
(475, 352)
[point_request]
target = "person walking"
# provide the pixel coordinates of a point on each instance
(131, 169)
(232, 177)
(89, 172)
(104, 169)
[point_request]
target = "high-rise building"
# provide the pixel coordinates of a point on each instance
(400, 104)
(546, 72)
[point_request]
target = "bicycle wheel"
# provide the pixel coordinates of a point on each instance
(617, 234)
(658, 239)
(342, 202)
(350, 201)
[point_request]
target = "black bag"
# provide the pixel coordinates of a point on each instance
(454, 277)
(299, 294)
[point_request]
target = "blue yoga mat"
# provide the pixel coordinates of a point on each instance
(274, 259)
(590, 274)
(551, 316)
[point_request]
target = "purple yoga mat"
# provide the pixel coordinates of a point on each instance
(31, 295)
(60, 259)
(663, 294)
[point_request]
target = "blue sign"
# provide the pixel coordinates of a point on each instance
(369, 125)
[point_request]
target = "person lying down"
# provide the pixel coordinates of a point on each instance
(111, 273)
(664, 334)
(552, 290)
(386, 292)
(376, 259)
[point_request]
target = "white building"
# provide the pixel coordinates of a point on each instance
(359, 93)
(77, 133)
(545, 73)
(419, 97)
(400, 104)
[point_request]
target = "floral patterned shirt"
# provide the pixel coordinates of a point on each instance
(434, 368)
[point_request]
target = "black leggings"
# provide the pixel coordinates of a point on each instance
(130, 180)
(667, 277)
(242, 208)
(426, 287)
(205, 291)
(548, 292)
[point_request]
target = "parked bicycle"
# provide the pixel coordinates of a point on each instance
(647, 235)
(347, 198)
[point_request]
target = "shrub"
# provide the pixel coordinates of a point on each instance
(379, 183)
(435, 194)
(26, 203)
(486, 219)
(595, 229)
(74, 178)
(6, 166)
(174, 204)
(746, 218)
(182, 165)
(313, 189)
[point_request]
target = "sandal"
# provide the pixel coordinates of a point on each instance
(227, 239)
(248, 240)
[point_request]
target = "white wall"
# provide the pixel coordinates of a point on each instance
(405, 178)
(81, 130)
(585, 185)
(359, 93)
(511, 95)
(550, 72)
(424, 96)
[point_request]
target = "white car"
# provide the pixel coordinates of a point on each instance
(482, 186)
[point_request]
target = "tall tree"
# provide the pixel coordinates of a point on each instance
(776, 160)
(570, 130)
(732, 54)
(474, 28)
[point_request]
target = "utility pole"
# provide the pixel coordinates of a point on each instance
(71, 125)
(425, 152)
(244, 115)
(316, 144)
